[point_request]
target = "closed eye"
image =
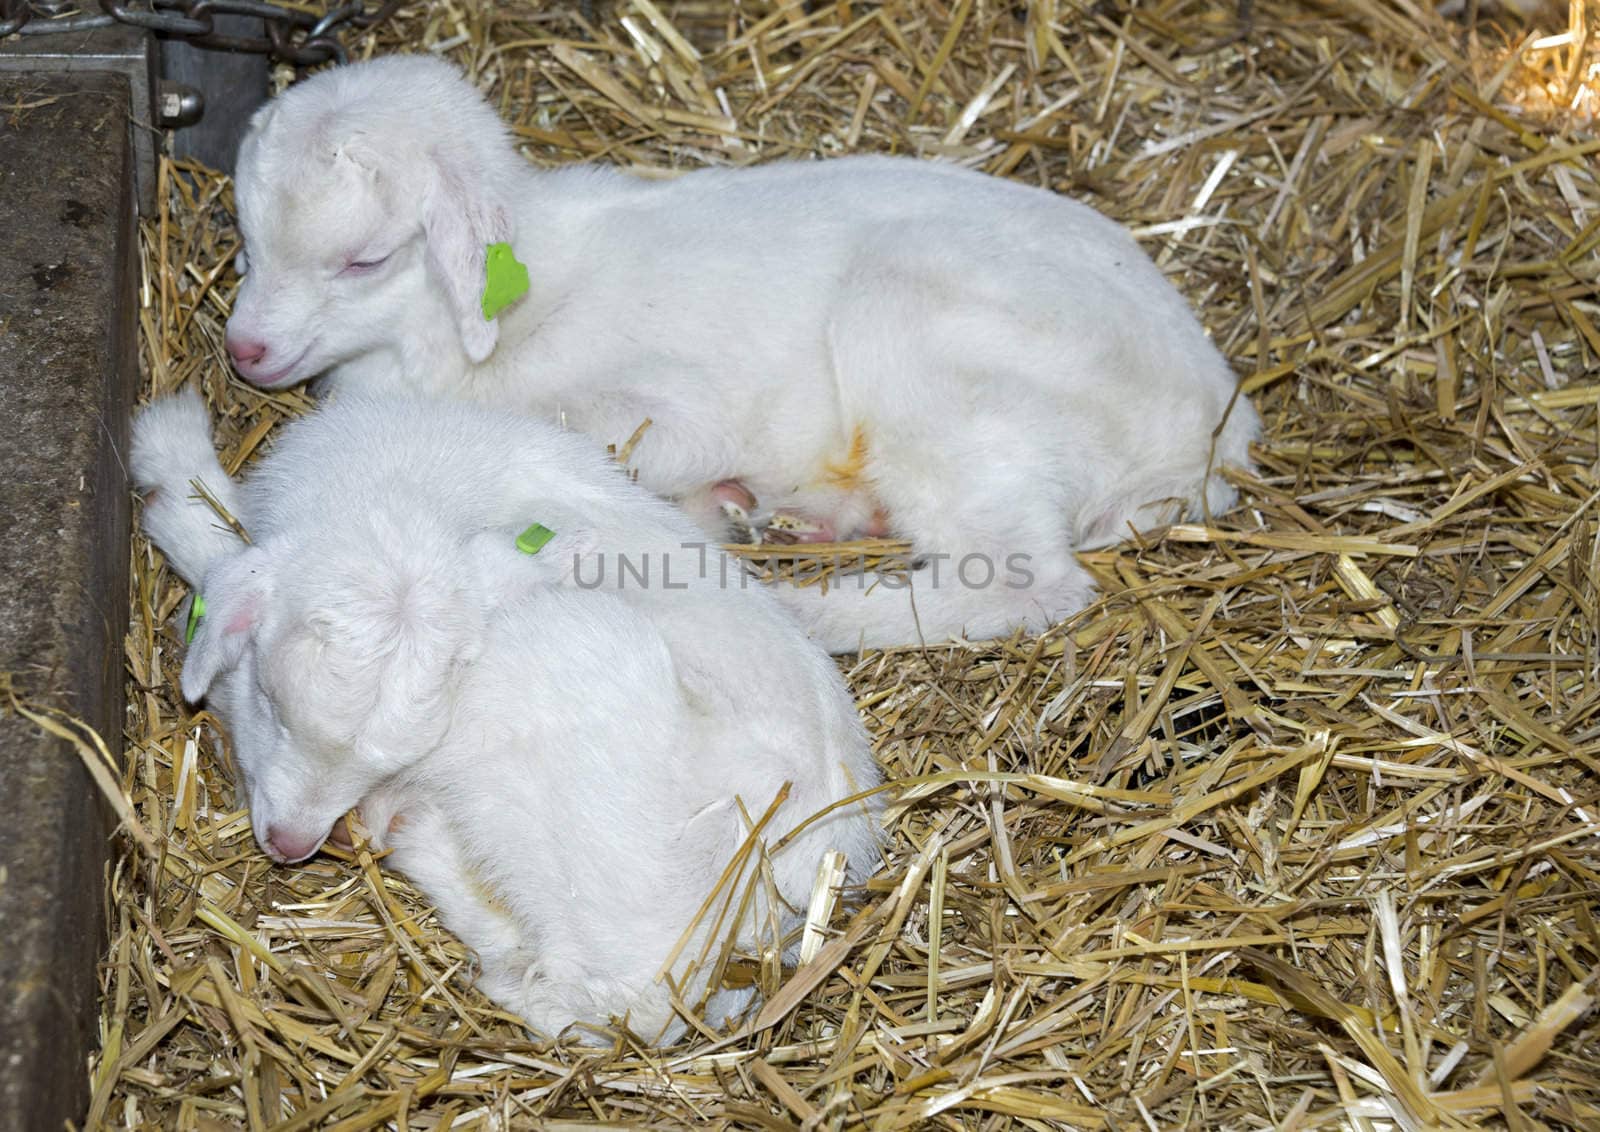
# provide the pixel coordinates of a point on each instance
(362, 266)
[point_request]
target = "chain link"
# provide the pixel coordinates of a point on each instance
(301, 38)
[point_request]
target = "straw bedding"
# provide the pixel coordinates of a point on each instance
(1296, 827)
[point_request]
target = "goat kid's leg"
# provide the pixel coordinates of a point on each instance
(732, 505)
(426, 850)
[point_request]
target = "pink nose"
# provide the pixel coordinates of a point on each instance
(284, 845)
(246, 351)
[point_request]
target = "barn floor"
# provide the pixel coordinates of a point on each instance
(1297, 827)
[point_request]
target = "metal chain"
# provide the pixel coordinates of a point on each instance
(301, 38)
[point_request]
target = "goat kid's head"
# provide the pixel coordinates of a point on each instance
(366, 199)
(335, 663)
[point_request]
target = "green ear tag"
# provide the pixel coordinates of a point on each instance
(197, 610)
(505, 279)
(532, 540)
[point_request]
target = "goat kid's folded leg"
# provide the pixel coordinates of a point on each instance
(426, 850)
(172, 453)
(995, 553)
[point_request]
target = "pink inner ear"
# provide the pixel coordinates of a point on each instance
(244, 619)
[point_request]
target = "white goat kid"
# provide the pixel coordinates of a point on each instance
(562, 759)
(862, 345)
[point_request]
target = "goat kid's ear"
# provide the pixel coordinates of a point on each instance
(460, 222)
(235, 592)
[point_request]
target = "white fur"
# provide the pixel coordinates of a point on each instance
(1027, 382)
(172, 453)
(566, 759)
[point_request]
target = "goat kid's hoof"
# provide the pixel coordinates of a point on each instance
(795, 530)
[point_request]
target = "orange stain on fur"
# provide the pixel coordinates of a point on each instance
(846, 474)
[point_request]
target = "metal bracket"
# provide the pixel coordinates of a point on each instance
(121, 49)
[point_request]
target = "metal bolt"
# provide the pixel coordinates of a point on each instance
(178, 104)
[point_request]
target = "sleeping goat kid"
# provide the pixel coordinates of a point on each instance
(858, 346)
(564, 761)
